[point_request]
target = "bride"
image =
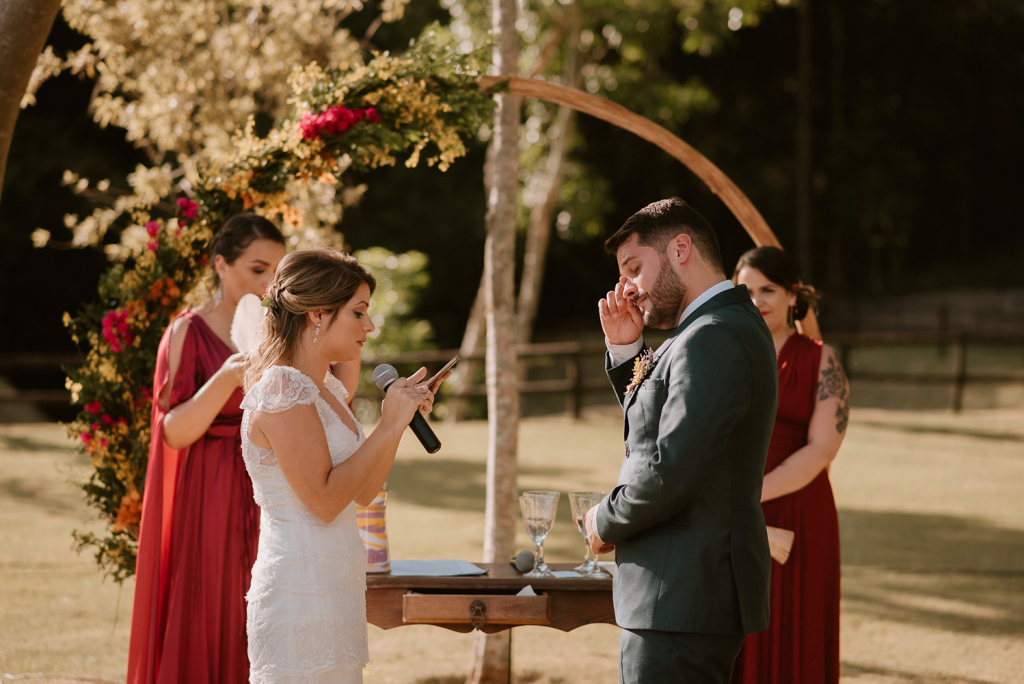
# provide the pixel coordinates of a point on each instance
(310, 463)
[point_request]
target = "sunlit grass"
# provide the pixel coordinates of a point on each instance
(931, 515)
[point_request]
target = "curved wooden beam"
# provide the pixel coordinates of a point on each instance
(606, 110)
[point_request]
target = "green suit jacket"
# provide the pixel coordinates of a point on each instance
(691, 546)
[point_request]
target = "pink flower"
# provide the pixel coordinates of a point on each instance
(188, 207)
(93, 407)
(95, 427)
(152, 228)
(85, 437)
(334, 121)
(115, 330)
(103, 441)
(152, 245)
(106, 419)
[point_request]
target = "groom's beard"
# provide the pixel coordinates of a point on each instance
(666, 298)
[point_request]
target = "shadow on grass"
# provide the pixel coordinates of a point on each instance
(944, 430)
(853, 670)
(18, 443)
(929, 543)
(448, 483)
(936, 571)
(34, 495)
(528, 677)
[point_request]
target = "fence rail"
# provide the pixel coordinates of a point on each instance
(574, 385)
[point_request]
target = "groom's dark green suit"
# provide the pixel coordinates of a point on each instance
(691, 548)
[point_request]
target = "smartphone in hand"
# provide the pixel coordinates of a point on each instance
(447, 367)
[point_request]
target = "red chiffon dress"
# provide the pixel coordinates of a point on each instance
(198, 536)
(801, 644)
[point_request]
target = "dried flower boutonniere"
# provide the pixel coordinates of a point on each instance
(641, 368)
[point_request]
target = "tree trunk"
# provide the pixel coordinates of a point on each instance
(491, 656)
(24, 25)
(803, 144)
(538, 235)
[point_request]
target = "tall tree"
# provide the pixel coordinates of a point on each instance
(491, 655)
(24, 25)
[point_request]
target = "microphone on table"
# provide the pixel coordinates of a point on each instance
(383, 376)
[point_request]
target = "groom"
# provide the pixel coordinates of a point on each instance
(685, 518)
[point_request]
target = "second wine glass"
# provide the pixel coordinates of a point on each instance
(581, 502)
(539, 509)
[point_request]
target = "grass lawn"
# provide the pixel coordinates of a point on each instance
(931, 514)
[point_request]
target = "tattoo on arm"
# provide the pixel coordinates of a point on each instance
(833, 383)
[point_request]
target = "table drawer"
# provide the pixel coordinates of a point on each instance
(498, 609)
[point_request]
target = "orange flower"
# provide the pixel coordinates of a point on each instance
(130, 512)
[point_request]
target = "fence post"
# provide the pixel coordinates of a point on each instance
(959, 374)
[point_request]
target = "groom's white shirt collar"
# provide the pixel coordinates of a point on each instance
(621, 353)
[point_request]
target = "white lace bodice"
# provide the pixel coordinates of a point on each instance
(307, 606)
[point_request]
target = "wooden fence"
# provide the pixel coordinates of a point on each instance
(574, 385)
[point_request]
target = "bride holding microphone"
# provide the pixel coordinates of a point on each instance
(310, 464)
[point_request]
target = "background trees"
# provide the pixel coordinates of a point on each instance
(914, 110)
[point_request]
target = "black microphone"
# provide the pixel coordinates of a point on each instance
(383, 376)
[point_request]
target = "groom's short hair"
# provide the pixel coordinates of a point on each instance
(659, 222)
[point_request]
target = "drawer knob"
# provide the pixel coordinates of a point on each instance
(478, 614)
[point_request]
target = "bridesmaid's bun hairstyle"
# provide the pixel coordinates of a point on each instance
(777, 266)
(235, 236)
(305, 280)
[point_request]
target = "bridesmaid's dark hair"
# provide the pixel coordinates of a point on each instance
(777, 266)
(306, 279)
(235, 235)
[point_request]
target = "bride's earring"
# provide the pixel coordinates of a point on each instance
(218, 296)
(316, 333)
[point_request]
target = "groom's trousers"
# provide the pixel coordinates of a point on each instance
(651, 657)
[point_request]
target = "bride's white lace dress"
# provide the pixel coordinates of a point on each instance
(307, 602)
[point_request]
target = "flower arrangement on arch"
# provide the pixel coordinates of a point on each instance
(426, 100)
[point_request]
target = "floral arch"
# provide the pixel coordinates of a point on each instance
(426, 101)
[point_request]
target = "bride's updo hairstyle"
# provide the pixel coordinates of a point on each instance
(778, 267)
(306, 279)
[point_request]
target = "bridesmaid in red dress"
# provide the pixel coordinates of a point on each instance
(801, 644)
(200, 524)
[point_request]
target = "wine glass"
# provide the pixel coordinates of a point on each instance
(539, 509)
(581, 502)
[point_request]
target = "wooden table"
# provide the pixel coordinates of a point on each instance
(488, 602)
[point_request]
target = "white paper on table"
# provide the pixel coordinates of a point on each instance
(527, 591)
(607, 566)
(246, 323)
(566, 574)
(434, 568)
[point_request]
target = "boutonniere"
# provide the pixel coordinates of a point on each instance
(641, 368)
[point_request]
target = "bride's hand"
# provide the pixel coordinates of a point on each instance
(234, 367)
(404, 398)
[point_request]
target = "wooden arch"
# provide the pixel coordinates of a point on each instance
(720, 184)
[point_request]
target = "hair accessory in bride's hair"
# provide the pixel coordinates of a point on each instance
(268, 301)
